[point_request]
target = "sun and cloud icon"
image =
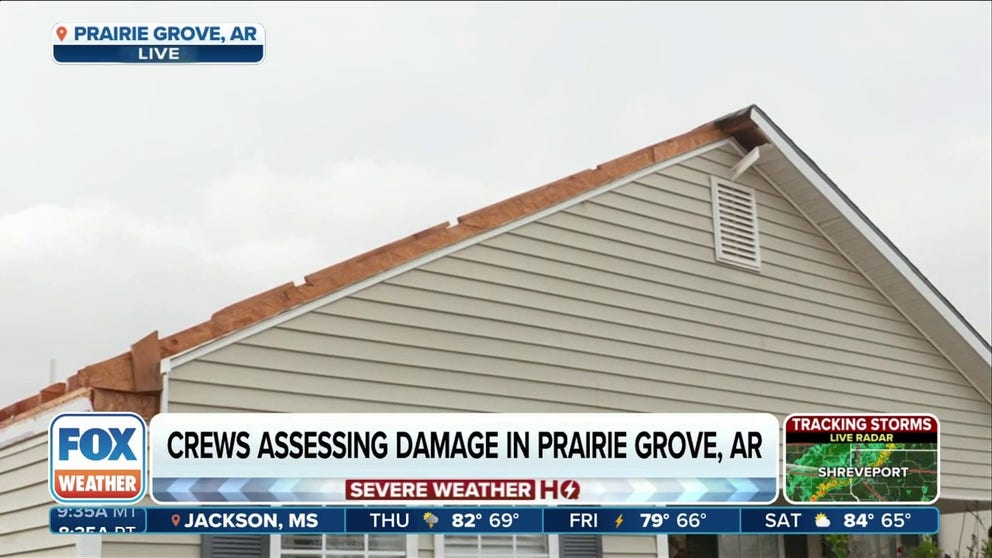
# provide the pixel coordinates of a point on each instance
(821, 520)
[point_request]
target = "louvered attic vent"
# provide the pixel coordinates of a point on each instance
(735, 224)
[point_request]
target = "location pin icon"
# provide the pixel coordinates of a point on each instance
(60, 32)
(175, 520)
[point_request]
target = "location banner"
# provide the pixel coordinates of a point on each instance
(493, 520)
(862, 458)
(573, 458)
(158, 43)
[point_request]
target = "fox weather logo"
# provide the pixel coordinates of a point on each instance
(97, 458)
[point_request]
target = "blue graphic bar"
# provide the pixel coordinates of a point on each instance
(78, 520)
(493, 520)
(158, 54)
(245, 520)
(445, 520)
(632, 521)
(228, 520)
(850, 520)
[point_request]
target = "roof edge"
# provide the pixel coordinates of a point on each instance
(36, 421)
(132, 380)
(126, 382)
(983, 344)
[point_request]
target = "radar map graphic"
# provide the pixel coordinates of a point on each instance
(862, 458)
(869, 472)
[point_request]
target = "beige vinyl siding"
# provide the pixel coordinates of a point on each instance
(151, 546)
(615, 304)
(425, 546)
(921, 303)
(630, 546)
(24, 502)
(24, 505)
(60, 552)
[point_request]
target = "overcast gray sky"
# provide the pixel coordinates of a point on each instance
(135, 198)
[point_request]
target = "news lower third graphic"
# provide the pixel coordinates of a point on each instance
(488, 473)
(494, 520)
(530, 459)
(158, 43)
(869, 458)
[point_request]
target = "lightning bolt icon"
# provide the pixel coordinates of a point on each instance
(619, 520)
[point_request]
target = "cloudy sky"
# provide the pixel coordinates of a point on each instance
(137, 198)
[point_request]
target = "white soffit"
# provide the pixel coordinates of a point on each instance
(825, 188)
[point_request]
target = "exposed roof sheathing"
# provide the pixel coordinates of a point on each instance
(130, 374)
(132, 380)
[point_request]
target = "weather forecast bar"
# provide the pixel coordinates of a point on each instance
(445, 520)
(646, 521)
(493, 520)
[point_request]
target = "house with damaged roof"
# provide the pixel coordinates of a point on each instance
(717, 271)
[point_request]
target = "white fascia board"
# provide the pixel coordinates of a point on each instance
(211, 346)
(868, 232)
(32, 426)
(981, 503)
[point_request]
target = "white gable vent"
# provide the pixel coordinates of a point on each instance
(735, 224)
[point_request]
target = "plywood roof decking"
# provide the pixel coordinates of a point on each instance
(129, 373)
(132, 380)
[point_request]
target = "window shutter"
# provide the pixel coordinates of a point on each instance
(580, 546)
(235, 546)
(702, 545)
(796, 545)
(735, 224)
